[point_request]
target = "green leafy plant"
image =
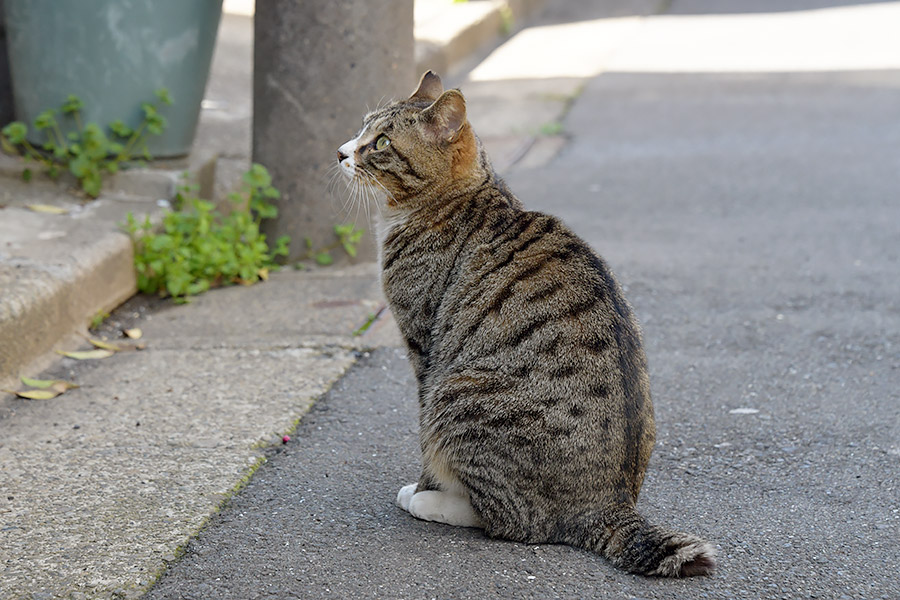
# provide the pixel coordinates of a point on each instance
(551, 128)
(98, 318)
(87, 151)
(507, 20)
(346, 236)
(199, 248)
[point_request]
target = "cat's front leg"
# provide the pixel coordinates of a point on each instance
(434, 505)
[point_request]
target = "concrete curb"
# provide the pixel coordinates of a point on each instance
(57, 271)
(447, 35)
(42, 308)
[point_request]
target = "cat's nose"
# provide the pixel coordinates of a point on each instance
(341, 156)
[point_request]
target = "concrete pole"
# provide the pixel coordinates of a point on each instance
(317, 65)
(6, 99)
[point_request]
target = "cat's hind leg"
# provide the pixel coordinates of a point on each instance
(405, 495)
(442, 507)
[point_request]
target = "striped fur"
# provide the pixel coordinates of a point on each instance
(533, 388)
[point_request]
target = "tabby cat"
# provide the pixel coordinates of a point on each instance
(535, 415)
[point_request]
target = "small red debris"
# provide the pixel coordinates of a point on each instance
(285, 439)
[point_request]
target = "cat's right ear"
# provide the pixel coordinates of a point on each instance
(445, 118)
(430, 88)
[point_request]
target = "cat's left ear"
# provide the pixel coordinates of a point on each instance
(430, 87)
(445, 118)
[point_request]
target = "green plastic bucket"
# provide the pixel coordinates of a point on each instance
(113, 55)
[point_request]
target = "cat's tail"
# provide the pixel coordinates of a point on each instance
(631, 543)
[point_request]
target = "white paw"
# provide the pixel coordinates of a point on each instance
(404, 496)
(443, 508)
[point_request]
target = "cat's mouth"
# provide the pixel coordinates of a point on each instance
(346, 156)
(348, 168)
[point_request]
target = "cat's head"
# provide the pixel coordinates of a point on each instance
(414, 148)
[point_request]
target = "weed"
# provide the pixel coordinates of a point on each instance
(86, 152)
(551, 128)
(199, 248)
(98, 318)
(507, 20)
(347, 237)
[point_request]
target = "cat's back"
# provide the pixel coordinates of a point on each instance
(529, 287)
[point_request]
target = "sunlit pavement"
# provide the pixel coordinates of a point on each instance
(691, 38)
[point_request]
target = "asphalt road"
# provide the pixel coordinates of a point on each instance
(755, 223)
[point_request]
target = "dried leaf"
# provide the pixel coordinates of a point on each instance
(62, 386)
(56, 384)
(38, 383)
(134, 334)
(263, 274)
(47, 208)
(103, 345)
(35, 394)
(88, 354)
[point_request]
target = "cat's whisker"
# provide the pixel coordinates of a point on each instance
(365, 192)
(380, 188)
(363, 187)
(347, 201)
(376, 185)
(370, 198)
(336, 175)
(368, 183)
(367, 196)
(332, 180)
(332, 189)
(356, 191)
(354, 197)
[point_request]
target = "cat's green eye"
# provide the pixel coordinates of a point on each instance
(382, 142)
